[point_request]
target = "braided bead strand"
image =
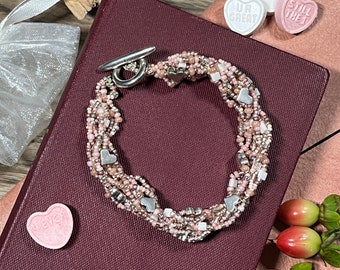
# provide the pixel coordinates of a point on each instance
(135, 194)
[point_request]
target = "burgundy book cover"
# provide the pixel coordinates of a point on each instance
(181, 139)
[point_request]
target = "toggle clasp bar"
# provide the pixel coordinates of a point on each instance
(137, 58)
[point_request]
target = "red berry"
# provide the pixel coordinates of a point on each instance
(299, 242)
(299, 212)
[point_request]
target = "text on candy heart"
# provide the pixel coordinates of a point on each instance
(243, 13)
(297, 12)
(48, 221)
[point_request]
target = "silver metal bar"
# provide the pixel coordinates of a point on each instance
(128, 58)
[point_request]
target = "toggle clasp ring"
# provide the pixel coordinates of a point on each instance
(139, 63)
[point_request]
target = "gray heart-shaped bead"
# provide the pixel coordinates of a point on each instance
(230, 202)
(176, 75)
(244, 96)
(106, 157)
(149, 203)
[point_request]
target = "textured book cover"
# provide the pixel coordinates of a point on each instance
(181, 139)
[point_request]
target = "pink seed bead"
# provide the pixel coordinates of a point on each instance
(244, 168)
(90, 137)
(266, 161)
(248, 110)
(95, 154)
(239, 139)
(250, 193)
(244, 148)
(231, 104)
(192, 71)
(119, 120)
(121, 206)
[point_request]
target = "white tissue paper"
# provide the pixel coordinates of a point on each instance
(36, 60)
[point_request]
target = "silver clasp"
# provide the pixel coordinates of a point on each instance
(134, 62)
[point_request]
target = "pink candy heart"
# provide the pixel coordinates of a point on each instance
(53, 228)
(295, 16)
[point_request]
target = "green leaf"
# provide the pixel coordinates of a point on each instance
(302, 266)
(329, 219)
(334, 247)
(329, 237)
(331, 202)
(331, 256)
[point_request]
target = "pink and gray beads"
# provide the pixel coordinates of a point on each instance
(135, 194)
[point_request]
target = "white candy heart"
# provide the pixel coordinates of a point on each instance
(244, 16)
(270, 5)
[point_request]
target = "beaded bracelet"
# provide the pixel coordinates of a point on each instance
(134, 193)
